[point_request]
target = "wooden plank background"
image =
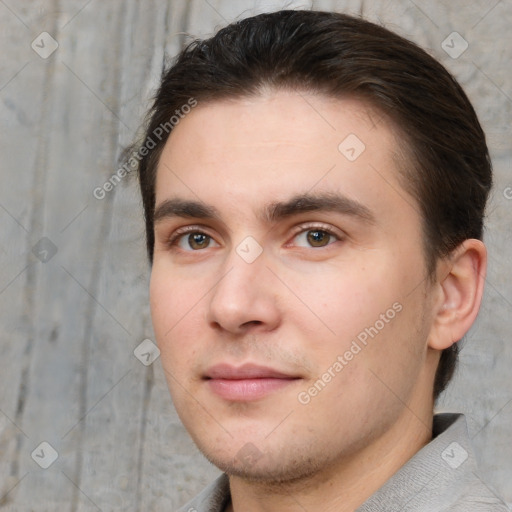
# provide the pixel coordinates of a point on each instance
(73, 274)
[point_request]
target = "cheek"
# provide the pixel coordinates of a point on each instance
(338, 302)
(174, 316)
(174, 312)
(368, 310)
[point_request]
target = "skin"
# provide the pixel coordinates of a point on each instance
(299, 306)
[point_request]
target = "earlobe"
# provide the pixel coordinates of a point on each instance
(461, 285)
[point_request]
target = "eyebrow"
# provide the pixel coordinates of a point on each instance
(184, 208)
(330, 201)
(273, 212)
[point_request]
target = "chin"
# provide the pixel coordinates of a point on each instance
(271, 466)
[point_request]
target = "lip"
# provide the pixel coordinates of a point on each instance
(246, 371)
(247, 382)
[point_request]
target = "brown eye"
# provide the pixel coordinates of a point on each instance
(198, 240)
(318, 238)
(188, 239)
(315, 237)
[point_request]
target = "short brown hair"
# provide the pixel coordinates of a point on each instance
(449, 168)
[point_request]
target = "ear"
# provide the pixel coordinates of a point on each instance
(461, 277)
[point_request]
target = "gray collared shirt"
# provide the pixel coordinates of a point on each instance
(440, 477)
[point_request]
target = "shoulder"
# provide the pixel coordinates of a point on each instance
(476, 497)
(476, 504)
(441, 477)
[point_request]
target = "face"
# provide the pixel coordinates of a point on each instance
(288, 289)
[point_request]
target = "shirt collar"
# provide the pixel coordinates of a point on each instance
(435, 476)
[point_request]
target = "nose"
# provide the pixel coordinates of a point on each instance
(245, 298)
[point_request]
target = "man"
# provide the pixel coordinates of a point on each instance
(314, 189)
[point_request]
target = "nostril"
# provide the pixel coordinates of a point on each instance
(252, 322)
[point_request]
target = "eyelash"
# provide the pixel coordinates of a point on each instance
(304, 228)
(174, 239)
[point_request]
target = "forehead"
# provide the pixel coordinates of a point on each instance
(278, 119)
(269, 147)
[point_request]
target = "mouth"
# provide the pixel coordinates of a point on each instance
(247, 382)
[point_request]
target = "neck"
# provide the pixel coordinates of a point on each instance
(345, 485)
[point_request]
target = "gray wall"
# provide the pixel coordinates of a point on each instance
(73, 274)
